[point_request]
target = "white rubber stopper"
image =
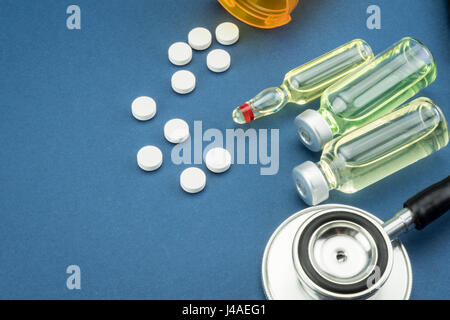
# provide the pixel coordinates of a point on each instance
(149, 158)
(227, 33)
(193, 180)
(218, 60)
(176, 131)
(200, 38)
(180, 53)
(143, 108)
(183, 82)
(218, 160)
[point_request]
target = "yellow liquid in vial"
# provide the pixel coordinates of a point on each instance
(377, 150)
(380, 86)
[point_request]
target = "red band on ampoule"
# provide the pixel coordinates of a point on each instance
(247, 112)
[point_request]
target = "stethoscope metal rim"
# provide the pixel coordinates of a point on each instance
(367, 244)
(397, 286)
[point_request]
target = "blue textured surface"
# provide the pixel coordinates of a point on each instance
(70, 189)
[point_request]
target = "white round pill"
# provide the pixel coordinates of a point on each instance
(183, 82)
(218, 60)
(149, 158)
(199, 38)
(176, 131)
(143, 108)
(227, 33)
(193, 180)
(218, 160)
(180, 53)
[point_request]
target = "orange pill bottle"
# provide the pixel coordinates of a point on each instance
(264, 14)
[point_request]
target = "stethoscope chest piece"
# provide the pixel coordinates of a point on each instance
(335, 252)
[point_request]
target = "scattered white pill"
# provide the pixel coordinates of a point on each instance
(193, 180)
(143, 108)
(227, 33)
(176, 131)
(200, 38)
(180, 53)
(218, 160)
(218, 60)
(183, 82)
(149, 158)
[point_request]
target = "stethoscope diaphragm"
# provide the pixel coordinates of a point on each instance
(341, 252)
(281, 272)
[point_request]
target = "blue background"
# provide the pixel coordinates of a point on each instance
(70, 189)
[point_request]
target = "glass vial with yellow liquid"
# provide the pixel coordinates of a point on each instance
(306, 82)
(372, 152)
(372, 91)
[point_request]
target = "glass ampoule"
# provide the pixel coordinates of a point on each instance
(372, 91)
(366, 155)
(306, 82)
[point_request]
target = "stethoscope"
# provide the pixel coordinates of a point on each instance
(336, 251)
